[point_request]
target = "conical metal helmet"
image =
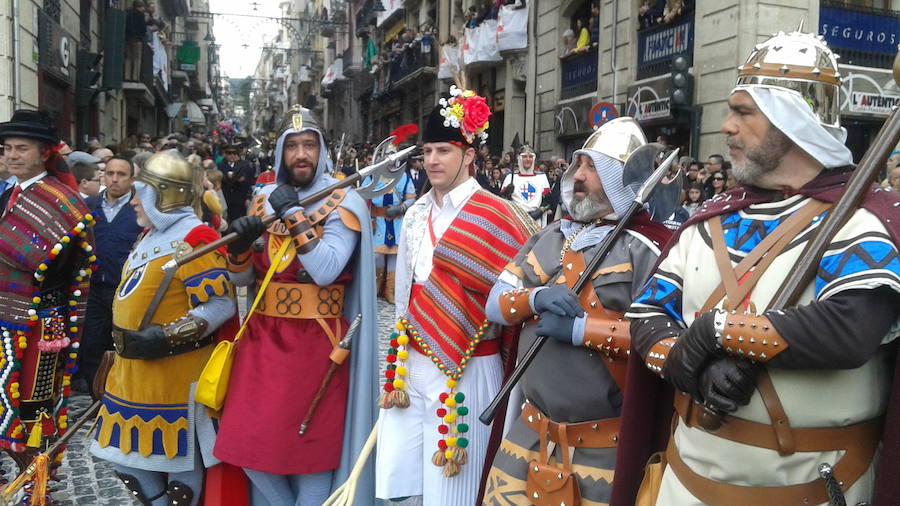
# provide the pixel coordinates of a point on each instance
(298, 118)
(801, 62)
(173, 179)
(617, 138)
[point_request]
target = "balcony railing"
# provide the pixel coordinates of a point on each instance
(659, 44)
(411, 60)
(863, 36)
(578, 74)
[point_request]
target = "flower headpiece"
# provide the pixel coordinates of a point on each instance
(466, 111)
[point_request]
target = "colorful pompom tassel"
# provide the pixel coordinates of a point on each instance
(386, 400)
(451, 469)
(400, 398)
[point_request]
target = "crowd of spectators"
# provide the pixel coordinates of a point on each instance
(655, 12)
(410, 49)
(581, 37)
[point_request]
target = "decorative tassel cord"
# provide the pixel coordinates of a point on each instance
(38, 472)
(345, 494)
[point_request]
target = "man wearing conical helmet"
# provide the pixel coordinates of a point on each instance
(323, 277)
(590, 340)
(768, 403)
(149, 427)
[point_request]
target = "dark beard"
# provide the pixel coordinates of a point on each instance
(762, 160)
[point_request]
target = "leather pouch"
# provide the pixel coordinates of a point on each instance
(652, 480)
(547, 484)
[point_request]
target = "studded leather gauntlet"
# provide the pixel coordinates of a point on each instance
(658, 354)
(748, 336)
(611, 337)
(514, 305)
(304, 235)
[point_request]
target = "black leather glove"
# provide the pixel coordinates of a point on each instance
(557, 327)
(691, 353)
(248, 229)
(558, 300)
(283, 198)
(507, 192)
(395, 211)
(536, 214)
(727, 383)
(145, 344)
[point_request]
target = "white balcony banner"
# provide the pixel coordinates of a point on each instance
(470, 46)
(512, 28)
(487, 41)
(449, 64)
(328, 78)
(338, 67)
(160, 60)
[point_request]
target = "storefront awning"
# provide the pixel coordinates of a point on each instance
(173, 109)
(193, 112)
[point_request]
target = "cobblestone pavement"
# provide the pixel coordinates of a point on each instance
(86, 480)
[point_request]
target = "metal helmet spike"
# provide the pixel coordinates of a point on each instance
(800, 62)
(617, 138)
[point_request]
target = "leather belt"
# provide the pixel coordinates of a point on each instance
(762, 435)
(118, 338)
(859, 441)
(591, 434)
(302, 300)
(379, 212)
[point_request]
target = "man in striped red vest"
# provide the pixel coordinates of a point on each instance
(46, 258)
(455, 241)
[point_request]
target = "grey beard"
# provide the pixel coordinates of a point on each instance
(588, 209)
(759, 162)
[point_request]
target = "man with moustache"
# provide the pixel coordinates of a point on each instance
(149, 427)
(796, 388)
(325, 279)
(115, 233)
(590, 343)
(455, 241)
(45, 258)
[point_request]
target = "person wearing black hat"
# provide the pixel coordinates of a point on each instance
(45, 259)
(455, 241)
(237, 181)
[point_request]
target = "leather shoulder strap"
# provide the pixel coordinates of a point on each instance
(770, 247)
(330, 204)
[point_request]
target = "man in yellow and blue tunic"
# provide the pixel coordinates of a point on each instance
(149, 427)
